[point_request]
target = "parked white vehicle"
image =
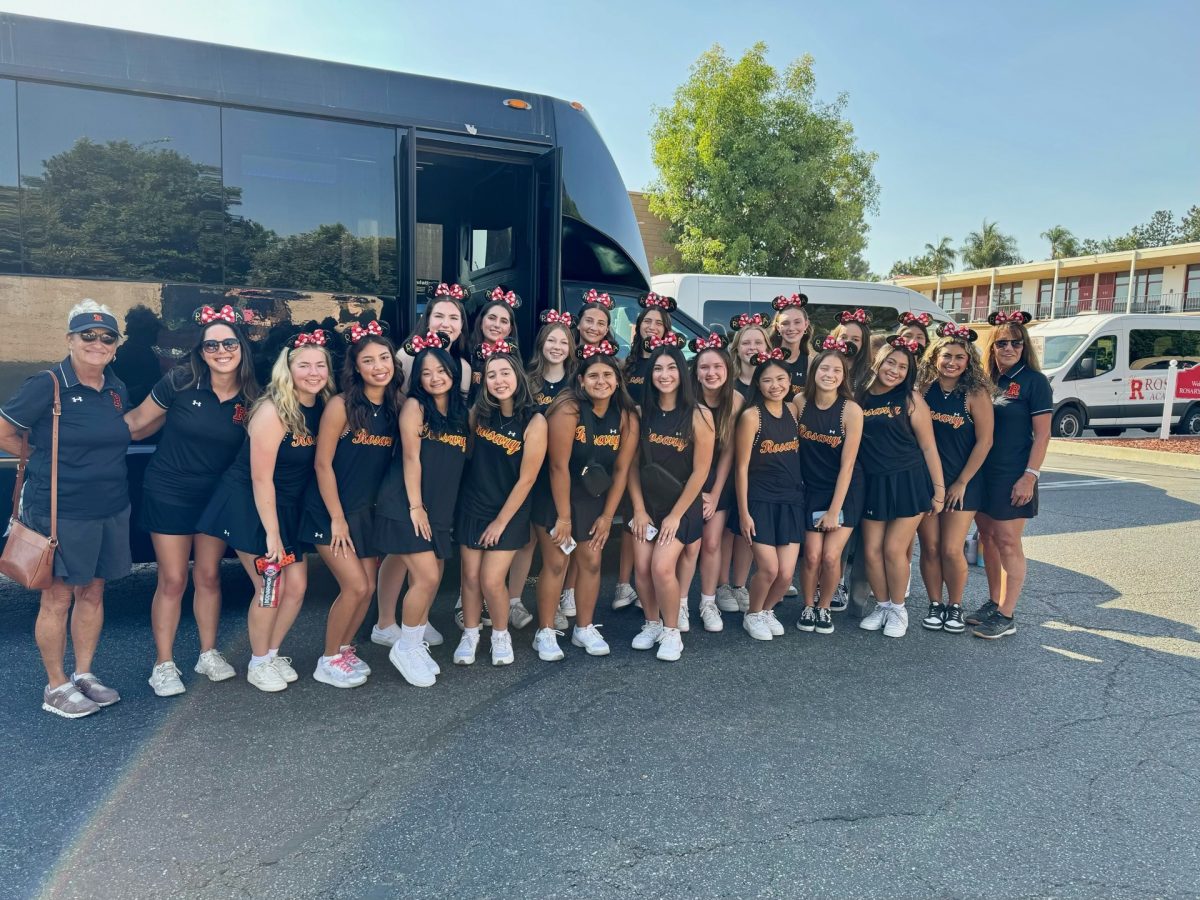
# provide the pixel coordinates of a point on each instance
(713, 299)
(1109, 372)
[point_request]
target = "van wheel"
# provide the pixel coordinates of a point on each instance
(1109, 432)
(1068, 423)
(1190, 423)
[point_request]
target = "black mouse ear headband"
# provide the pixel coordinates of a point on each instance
(861, 316)
(314, 338)
(746, 320)
(922, 319)
(554, 317)
(357, 332)
(501, 347)
(789, 301)
(444, 291)
(1016, 317)
(501, 294)
(206, 315)
(599, 298)
(899, 342)
(957, 332)
(604, 348)
(431, 341)
(843, 347)
(652, 300)
(714, 341)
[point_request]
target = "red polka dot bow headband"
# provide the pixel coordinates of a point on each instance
(923, 319)
(667, 340)
(502, 295)
(206, 315)
(604, 348)
(598, 297)
(358, 332)
(903, 343)
(554, 317)
(861, 316)
(958, 332)
(430, 341)
(1016, 317)
(795, 301)
(314, 338)
(745, 320)
(453, 291)
(843, 347)
(656, 301)
(498, 347)
(775, 354)
(714, 341)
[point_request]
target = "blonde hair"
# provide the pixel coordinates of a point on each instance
(281, 391)
(88, 305)
(736, 345)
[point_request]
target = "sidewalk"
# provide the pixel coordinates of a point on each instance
(1114, 450)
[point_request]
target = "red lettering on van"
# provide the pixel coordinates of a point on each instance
(1135, 389)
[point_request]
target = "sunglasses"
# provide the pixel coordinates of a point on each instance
(1016, 345)
(105, 337)
(228, 344)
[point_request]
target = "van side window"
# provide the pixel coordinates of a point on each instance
(1154, 348)
(1099, 358)
(717, 314)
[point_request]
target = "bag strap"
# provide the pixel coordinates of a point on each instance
(56, 412)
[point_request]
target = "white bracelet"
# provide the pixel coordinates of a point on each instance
(1034, 472)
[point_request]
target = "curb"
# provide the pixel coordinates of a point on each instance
(1068, 447)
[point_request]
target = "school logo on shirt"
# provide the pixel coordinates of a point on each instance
(510, 445)
(306, 440)
(362, 436)
(832, 440)
(458, 441)
(611, 440)
(677, 444)
(197, 403)
(780, 446)
(1014, 390)
(890, 411)
(116, 400)
(954, 420)
(239, 413)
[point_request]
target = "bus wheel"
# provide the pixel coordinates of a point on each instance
(1067, 423)
(1189, 424)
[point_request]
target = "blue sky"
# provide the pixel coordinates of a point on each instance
(1030, 114)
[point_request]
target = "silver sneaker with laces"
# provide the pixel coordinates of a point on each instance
(518, 615)
(213, 665)
(89, 685)
(68, 702)
(777, 629)
(545, 642)
(650, 635)
(726, 600)
(164, 680)
(283, 665)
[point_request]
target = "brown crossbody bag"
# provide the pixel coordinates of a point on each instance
(28, 557)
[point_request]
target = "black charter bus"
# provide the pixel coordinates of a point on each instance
(155, 175)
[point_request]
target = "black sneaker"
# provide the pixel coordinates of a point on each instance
(839, 601)
(952, 621)
(808, 619)
(996, 626)
(981, 615)
(935, 618)
(824, 621)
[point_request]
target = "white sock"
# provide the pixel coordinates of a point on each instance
(63, 688)
(474, 631)
(708, 598)
(75, 676)
(683, 601)
(624, 587)
(256, 661)
(411, 636)
(326, 659)
(513, 601)
(496, 631)
(273, 652)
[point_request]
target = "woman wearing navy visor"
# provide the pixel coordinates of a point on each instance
(201, 407)
(93, 499)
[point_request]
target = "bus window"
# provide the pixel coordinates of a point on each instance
(490, 248)
(10, 209)
(1154, 348)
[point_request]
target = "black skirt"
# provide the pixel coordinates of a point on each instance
(691, 524)
(997, 497)
(397, 536)
(975, 494)
(232, 516)
(316, 528)
(898, 494)
(159, 517)
(852, 506)
(585, 509)
(469, 527)
(775, 524)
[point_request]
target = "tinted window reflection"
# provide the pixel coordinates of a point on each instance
(10, 210)
(316, 204)
(119, 186)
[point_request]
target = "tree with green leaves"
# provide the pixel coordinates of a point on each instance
(915, 265)
(989, 247)
(942, 255)
(756, 175)
(1062, 242)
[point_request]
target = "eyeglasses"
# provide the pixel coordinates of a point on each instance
(105, 337)
(228, 344)
(1016, 345)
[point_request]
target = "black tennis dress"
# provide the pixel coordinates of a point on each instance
(898, 482)
(360, 461)
(542, 503)
(775, 483)
(665, 440)
(602, 450)
(822, 440)
(231, 514)
(798, 372)
(954, 431)
(492, 472)
(726, 501)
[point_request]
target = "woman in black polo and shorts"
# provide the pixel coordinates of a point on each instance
(355, 445)
(1023, 402)
(903, 479)
(592, 440)
(959, 397)
(201, 407)
(507, 447)
(674, 457)
(790, 333)
(770, 491)
(257, 506)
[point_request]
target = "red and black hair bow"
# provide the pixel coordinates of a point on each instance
(714, 341)
(900, 342)
(652, 300)
(861, 316)
(314, 338)
(554, 317)
(357, 332)
(604, 348)
(206, 315)
(591, 295)
(453, 291)
(494, 348)
(1016, 317)
(745, 320)
(792, 301)
(774, 354)
(957, 332)
(503, 295)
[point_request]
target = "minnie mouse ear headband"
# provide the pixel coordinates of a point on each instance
(843, 347)
(1016, 317)
(899, 342)
(957, 332)
(554, 317)
(923, 319)
(591, 295)
(861, 316)
(357, 332)
(786, 301)
(431, 341)
(314, 338)
(604, 348)
(501, 294)
(448, 292)
(652, 300)
(713, 342)
(775, 354)
(671, 339)
(206, 315)
(495, 348)
(745, 320)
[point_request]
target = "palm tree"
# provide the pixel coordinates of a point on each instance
(989, 247)
(942, 256)
(1062, 242)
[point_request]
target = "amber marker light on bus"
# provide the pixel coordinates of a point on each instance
(517, 104)
(575, 104)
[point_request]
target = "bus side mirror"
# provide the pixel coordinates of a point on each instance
(1086, 367)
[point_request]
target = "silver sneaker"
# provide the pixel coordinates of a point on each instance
(518, 615)
(742, 595)
(545, 642)
(726, 601)
(213, 665)
(164, 680)
(68, 702)
(624, 596)
(283, 665)
(777, 629)
(89, 685)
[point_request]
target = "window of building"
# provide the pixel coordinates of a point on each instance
(1191, 288)
(10, 206)
(118, 186)
(1008, 295)
(314, 203)
(1147, 289)
(951, 300)
(1154, 348)
(1045, 298)
(491, 247)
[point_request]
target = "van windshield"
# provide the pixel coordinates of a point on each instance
(1056, 349)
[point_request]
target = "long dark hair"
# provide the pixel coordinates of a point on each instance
(637, 345)
(477, 328)
(189, 373)
(723, 414)
(455, 419)
(537, 362)
(485, 407)
(685, 394)
(576, 394)
(459, 345)
(608, 335)
(845, 390)
(756, 397)
(353, 394)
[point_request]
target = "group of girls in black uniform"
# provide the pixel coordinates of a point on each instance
(748, 453)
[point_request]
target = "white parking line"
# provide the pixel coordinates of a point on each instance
(1093, 482)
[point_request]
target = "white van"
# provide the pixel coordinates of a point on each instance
(712, 300)
(1109, 372)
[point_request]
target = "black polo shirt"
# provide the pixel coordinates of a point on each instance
(92, 440)
(1021, 394)
(200, 438)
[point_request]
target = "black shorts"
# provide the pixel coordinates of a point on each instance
(315, 528)
(974, 496)
(818, 500)
(997, 496)
(169, 516)
(88, 548)
(232, 516)
(691, 525)
(775, 524)
(898, 494)
(398, 537)
(469, 527)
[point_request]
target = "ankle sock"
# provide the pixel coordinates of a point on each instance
(411, 636)
(256, 661)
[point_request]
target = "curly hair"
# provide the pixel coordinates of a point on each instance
(973, 379)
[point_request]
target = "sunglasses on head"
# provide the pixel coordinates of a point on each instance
(105, 337)
(1016, 344)
(228, 344)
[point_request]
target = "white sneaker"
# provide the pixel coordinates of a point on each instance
(165, 680)
(670, 648)
(876, 617)
(432, 636)
(350, 652)
(502, 651)
(465, 654)
(777, 629)
(339, 672)
(567, 602)
(624, 596)
(742, 595)
(213, 664)
(411, 664)
(589, 639)
(265, 676)
(711, 616)
(283, 665)
(755, 625)
(650, 635)
(684, 621)
(897, 621)
(430, 662)
(385, 637)
(560, 620)
(545, 642)
(518, 615)
(792, 591)
(726, 601)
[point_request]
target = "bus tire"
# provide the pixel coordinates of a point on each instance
(1189, 422)
(1068, 422)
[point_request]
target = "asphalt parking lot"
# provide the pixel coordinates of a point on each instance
(1057, 763)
